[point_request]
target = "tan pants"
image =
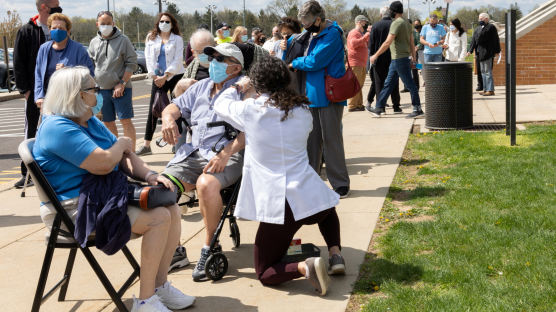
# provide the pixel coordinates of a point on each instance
(357, 100)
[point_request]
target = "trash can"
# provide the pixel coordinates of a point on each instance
(448, 95)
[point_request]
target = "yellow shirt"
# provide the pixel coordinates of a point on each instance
(225, 40)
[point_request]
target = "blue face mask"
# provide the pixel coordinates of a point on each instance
(217, 71)
(58, 35)
(96, 109)
(244, 38)
(226, 33)
(204, 60)
(452, 27)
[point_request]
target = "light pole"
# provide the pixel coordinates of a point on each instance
(244, 24)
(429, 2)
(108, 5)
(211, 8)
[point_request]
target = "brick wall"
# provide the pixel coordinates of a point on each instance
(535, 56)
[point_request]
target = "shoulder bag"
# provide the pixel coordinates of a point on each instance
(343, 88)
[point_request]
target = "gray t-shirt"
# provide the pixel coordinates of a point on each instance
(45, 30)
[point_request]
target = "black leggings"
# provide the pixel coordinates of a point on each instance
(151, 120)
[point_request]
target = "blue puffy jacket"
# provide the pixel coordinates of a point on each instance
(326, 50)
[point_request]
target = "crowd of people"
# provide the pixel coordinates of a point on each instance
(271, 90)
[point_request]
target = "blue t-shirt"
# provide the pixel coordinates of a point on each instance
(62, 145)
(54, 57)
(162, 60)
(432, 36)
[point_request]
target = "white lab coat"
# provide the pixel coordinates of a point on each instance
(276, 166)
(174, 54)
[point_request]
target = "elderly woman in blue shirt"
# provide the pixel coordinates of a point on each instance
(71, 144)
(60, 52)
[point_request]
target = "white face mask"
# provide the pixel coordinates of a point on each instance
(105, 30)
(164, 27)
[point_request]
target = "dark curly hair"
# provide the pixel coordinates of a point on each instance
(290, 23)
(271, 75)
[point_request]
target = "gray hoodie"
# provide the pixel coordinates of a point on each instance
(113, 56)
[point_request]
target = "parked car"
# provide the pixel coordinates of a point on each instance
(3, 69)
(141, 62)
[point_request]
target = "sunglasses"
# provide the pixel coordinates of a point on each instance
(95, 89)
(167, 22)
(222, 58)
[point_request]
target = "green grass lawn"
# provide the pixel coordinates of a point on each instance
(469, 225)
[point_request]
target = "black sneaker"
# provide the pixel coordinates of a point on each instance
(143, 151)
(343, 191)
(398, 110)
(415, 114)
(376, 112)
(336, 265)
(19, 184)
(179, 260)
(479, 89)
(404, 91)
(199, 271)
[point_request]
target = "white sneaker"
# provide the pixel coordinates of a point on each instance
(152, 304)
(173, 298)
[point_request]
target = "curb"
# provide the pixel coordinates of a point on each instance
(16, 95)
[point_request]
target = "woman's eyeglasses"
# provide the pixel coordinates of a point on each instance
(166, 22)
(94, 89)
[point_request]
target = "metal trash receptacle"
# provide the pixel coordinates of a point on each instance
(448, 95)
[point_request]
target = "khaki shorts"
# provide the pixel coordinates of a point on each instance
(191, 168)
(48, 213)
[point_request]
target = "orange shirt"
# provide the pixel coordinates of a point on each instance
(357, 43)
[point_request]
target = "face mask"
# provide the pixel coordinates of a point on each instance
(96, 109)
(164, 27)
(482, 23)
(365, 27)
(313, 28)
(418, 28)
(105, 30)
(58, 35)
(433, 25)
(217, 71)
(253, 38)
(244, 38)
(452, 27)
(55, 10)
(204, 60)
(226, 33)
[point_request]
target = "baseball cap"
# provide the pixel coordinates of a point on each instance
(396, 7)
(360, 18)
(222, 25)
(226, 49)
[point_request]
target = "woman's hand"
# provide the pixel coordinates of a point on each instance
(60, 66)
(39, 102)
(160, 81)
(157, 178)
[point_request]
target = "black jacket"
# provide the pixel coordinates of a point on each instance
(488, 42)
(27, 43)
(297, 47)
(379, 33)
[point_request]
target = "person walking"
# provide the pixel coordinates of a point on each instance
(488, 47)
(115, 61)
(357, 42)
(379, 70)
(401, 45)
(325, 51)
(473, 49)
(28, 40)
(432, 37)
(456, 42)
(164, 56)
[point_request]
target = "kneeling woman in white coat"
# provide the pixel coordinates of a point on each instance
(278, 187)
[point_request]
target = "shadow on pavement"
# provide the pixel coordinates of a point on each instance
(13, 220)
(9, 156)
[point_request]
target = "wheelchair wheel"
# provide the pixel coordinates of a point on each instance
(234, 233)
(216, 266)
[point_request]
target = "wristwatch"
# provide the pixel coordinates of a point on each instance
(124, 83)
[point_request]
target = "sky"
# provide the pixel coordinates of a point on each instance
(89, 8)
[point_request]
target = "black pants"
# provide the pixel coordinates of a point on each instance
(151, 120)
(32, 115)
(273, 240)
(479, 76)
(380, 73)
(372, 91)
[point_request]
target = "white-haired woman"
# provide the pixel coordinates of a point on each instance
(70, 144)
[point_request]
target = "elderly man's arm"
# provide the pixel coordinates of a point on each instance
(170, 131)
(219, 161)
(385, 46)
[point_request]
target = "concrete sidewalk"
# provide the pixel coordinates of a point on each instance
(373, 150)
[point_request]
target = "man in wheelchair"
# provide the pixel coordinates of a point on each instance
(196, 165)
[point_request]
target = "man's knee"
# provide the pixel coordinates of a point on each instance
(160, 216)
(126, 122)
(208, 185)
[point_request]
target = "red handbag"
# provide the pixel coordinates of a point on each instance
(343, 88)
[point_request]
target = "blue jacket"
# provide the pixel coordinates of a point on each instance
(326, 50)
(74, 54)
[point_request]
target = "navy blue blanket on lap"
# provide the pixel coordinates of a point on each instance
(103, 208)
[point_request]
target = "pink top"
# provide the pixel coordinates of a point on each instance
(357, 43)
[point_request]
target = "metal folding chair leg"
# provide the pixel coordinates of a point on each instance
(67, 274)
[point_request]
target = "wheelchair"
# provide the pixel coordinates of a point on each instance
(217, 263)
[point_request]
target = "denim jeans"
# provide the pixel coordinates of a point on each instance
(486, 72)
(433, 58)
(399, 68)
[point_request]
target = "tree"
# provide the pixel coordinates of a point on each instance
(9, 27)
(374, 15)
(283, 7)
(83, 29)
(356, 10)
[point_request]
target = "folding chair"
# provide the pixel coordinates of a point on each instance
(59, 238)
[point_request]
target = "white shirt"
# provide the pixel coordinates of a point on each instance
(174, 54)
(457, 46)
(276, 166)
(269, 44)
